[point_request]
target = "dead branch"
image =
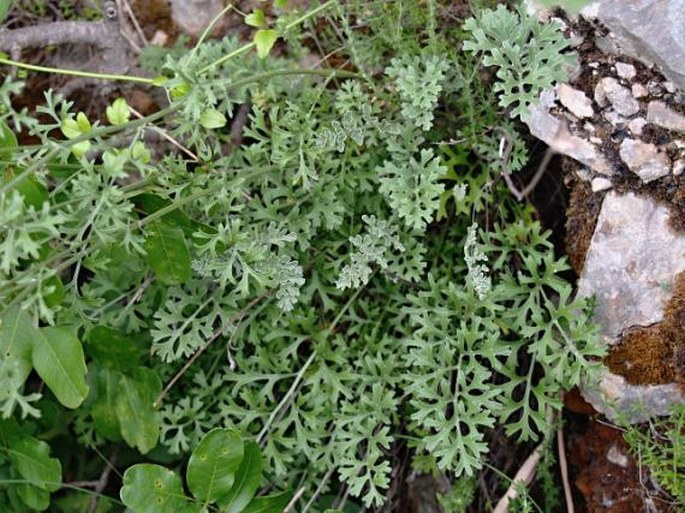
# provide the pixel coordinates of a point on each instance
(104, 35)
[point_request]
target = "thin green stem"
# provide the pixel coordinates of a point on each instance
(249, 46)
(76, 73)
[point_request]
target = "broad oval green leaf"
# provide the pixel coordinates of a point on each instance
(213, 464)
(113, 349)
(103, 409)
(57, 356)
(212, 118)
(138, 419)
(264, 40)
(35, 498)
(16, 339)
(167, 253)
(30, 457)
(4, 8)
(270, 504)
(149, 488)
(247, 480)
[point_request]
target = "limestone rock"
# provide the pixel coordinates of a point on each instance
(611, 395)
(556, 135)
(652, 31)
(622, 269)
(625, 71)
(679, 167)
(575, 101)
(600, 184)
(610, 91)
(638, 90)
(644, 159)
(636, 125)
(192, 16)
(659, 114)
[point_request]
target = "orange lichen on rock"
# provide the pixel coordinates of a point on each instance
(582, 216)
(655, 354)
(674, 327)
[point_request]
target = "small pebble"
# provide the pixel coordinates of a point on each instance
(615, 456)
(636, 125)
(600, 184)
(679, 167)
(575, 101)
(625, 71)
(670, 87)
(639, 90)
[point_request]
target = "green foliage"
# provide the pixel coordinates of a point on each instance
(346, 275)
(529, 56)
(222, 470)
(660, 446)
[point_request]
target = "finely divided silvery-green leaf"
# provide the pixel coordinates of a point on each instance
(138, 419)
(167, 253)
(149, 488)
(213, 464)
(57, 356)
(247, 480)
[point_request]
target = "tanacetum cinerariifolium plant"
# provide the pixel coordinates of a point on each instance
(350, 279)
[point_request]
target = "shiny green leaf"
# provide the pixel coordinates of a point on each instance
(270, 504)
(57, 356)
(138, 418)
(247, 480)
(213, 464)
(149, 488)
(167, 253)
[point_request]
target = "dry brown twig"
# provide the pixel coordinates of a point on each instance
(104, 35)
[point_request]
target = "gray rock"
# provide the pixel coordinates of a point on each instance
(636, 125)
(600, 184)
(679, 167)
(622, 268)
(575, 101)
(625, 71)
(609, 90)
(631, 286)
(659, 114)
(644, 159)
(652, 31)
(638, 90)
(611, 395)
(192, 16)
(614, 118)
(556, 135)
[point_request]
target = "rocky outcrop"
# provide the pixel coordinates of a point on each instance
(651, 31)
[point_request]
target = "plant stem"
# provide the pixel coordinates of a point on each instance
(251, 45)
(76, 73)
